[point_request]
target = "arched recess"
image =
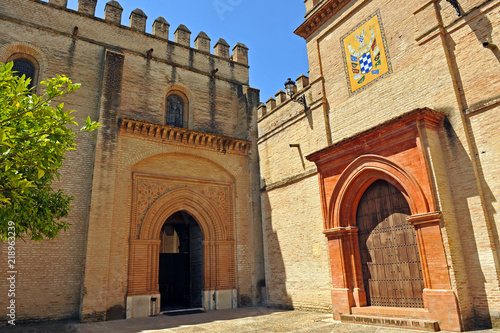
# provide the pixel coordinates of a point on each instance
(145, 161)
(358, 176)
(31, 53)
(218, 245)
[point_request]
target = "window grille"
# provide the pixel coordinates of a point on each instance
(25, 67)
(175, 111)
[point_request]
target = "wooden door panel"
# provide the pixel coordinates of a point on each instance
(195, 265)
(388, 247)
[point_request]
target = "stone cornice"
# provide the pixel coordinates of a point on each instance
(320, 16)
(340, 231)
(183, 136)
(425, 218)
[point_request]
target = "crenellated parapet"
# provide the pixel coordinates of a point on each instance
(138, 20)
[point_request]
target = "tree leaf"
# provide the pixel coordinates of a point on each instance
(34, 139)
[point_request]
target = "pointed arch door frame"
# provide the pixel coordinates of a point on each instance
(345, 171)
(341, 225)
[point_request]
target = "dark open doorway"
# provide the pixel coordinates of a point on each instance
(181, 263)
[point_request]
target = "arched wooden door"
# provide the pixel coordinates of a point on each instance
(392, 273)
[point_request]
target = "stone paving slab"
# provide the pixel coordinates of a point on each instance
(245, 320)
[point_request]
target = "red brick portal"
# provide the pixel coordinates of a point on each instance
(394, 152)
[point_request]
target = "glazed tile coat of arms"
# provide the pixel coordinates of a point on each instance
(366, 57)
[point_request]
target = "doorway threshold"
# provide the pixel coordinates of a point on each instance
(180, 312)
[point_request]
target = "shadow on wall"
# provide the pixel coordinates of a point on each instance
(464, 188)
(484, 316)
(482, 28)
(277, 294)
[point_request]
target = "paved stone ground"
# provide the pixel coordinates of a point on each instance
(224, 321)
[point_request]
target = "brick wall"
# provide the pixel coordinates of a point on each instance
(297, 267)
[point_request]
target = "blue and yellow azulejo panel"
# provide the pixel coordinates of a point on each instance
(366, 57)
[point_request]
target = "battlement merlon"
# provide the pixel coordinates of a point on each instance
(160, 28)
(56, 17)
(87, 6)
(138, 20)
(221, 48)
(202, 42)
(183, 35)
(60, 3)
(113, 12)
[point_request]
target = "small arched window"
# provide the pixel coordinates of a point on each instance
(175, 111)
(23, 65)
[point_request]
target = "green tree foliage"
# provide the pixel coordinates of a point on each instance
(34, 139)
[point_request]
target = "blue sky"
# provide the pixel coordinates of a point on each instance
(266, 27)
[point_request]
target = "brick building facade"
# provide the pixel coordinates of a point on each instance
(178, 145)
(395, 161)
(378, 199)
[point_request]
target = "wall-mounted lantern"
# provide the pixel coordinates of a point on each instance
(291, 88)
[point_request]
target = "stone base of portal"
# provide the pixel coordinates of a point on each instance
(140, 306)
(440, 307)
(220, 299)
(143, 306)
(396, 322)
(443, 306)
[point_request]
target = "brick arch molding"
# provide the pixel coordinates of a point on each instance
(183, 200)
(21, 47)
(358, 176)
(34, 54)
